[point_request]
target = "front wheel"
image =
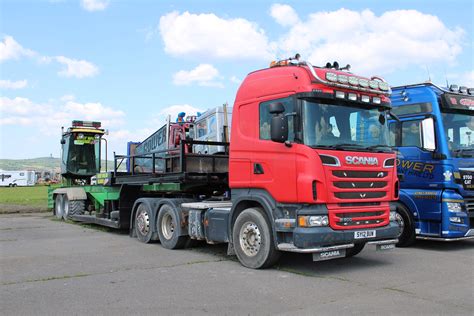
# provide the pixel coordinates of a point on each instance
(59, 206)
(406, 224)
(253, 240)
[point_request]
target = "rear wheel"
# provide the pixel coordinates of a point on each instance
(142, 223)
(169, 230)
(76, 207)
(253, 242)
(65, 207)
(405, 221)
(58, 206)
(351, 252)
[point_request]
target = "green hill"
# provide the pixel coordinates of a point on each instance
(38, 164)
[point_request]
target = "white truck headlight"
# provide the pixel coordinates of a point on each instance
(454, 207)
(313, 221)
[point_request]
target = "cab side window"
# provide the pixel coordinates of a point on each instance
(266, 117)
(412, 134)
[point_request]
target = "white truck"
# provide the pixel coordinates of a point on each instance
(20, 178)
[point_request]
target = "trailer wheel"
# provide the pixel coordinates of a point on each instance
(58, 206)
(406, 235)
(168, 226)
(253, 242)
(351, 252)
(142, 223)
(76, 207)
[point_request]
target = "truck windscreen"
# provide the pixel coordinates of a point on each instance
(459, 129)
(344, 127)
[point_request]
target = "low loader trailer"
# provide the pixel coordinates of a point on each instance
(308, 169)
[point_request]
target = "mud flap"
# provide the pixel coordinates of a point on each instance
(327, 255)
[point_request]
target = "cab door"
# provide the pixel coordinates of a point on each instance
(274, 164)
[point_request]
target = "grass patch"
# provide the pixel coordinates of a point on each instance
(36, 196)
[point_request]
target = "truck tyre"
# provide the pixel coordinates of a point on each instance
(253, 241)
(169, 230)
(76, 207)
(142, 223)
(58, 206)
(407, 227)
(66, 205)
(351, 252)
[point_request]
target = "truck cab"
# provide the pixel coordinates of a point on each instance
(309, 149)
(435, 144)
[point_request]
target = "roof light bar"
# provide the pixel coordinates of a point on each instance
(86, 124)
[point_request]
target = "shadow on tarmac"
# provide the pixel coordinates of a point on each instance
(434, 245)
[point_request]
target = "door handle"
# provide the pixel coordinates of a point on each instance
(258, 169)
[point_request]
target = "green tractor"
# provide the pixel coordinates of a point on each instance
(80, 161)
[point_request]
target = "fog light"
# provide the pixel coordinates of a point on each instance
(352, 96)
(455, 220)
(330, 76)
(365, 98)
(393, 216)
(376, 100)
(340, 95)
(353, 81)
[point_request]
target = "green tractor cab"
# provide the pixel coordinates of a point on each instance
(81, 151)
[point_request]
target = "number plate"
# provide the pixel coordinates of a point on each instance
(364, 234)
(385, 247)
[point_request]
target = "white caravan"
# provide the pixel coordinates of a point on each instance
(17, 178)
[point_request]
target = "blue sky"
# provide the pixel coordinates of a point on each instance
(130, 63)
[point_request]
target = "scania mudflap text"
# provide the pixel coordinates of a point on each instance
(435, 144)
(308, 171)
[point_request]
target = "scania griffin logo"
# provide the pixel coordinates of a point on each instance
(355, 160)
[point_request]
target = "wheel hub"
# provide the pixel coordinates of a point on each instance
(401, 223)
(250, 239)
(143, 223)
(167, 226)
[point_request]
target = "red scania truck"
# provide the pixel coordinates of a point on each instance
(308, 170)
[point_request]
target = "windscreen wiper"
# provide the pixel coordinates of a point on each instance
(462, 152)
(374, 147)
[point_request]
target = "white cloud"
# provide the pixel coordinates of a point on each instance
(208, 35)
(11, 49)
(462, 79)
(48, 118)
(393, 40)
(284, 14)
(76, 68)
(236, 80)
(203, 75)
(173, 111)
(95, 5)
(8, 84)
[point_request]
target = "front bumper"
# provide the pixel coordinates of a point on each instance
(319, 237)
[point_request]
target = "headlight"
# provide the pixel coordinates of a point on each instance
(454, 207)
(373, 84)
(342, 78)
(313, 221)
(80, 136)
(353, 80)
(330, 76)
(363, 83)
(383, 86)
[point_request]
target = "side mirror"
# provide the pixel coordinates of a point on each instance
(276, 108)
(279, 128)
(428, 134)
